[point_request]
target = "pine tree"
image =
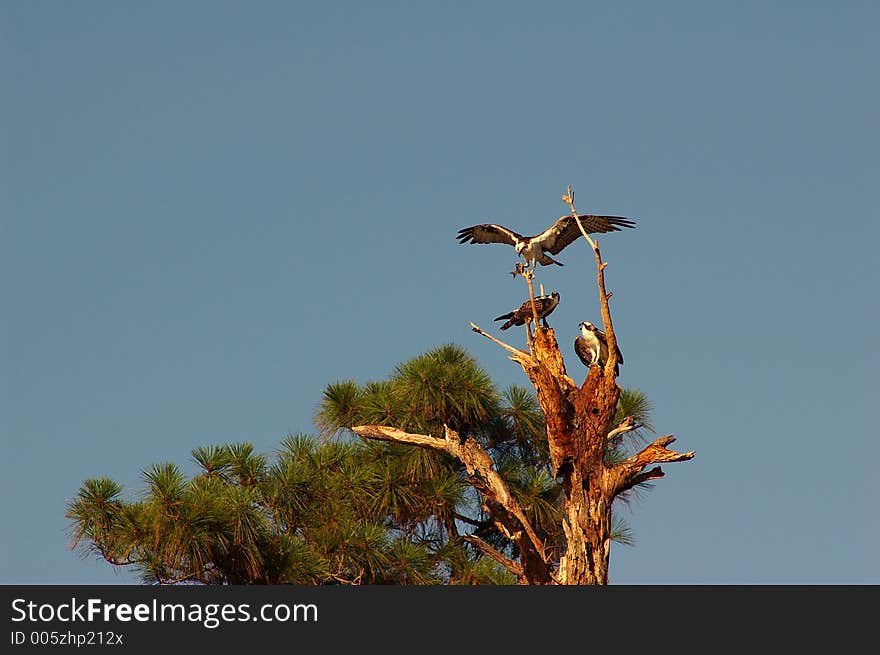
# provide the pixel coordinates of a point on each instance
(431, 476)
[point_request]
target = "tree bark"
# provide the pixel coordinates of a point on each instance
(578, 421)
(579, 424)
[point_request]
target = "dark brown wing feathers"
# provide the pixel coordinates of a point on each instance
(488, 233)
(544, 306)
(604, 340)
(565, 230)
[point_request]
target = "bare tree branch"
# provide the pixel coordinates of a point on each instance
(528, 275)
(628, 473)
(656, 451)
(628, 424)
(506, 562)
(477, 463)
(519, 356)
(603, 294)
(650, 474)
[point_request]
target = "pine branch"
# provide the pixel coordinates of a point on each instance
(110, 559)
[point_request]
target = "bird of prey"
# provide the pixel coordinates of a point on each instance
(544, 306)
(592, 347)
(534, 250)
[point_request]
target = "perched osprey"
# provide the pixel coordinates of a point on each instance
(544, 306)
(552, 240)
(592, 347)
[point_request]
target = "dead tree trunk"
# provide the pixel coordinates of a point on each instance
(579, 428)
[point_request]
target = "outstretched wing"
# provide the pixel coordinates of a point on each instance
(565, 230)
(488, 233)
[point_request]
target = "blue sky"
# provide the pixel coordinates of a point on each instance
(211, 210)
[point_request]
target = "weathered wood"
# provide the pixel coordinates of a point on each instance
(552, 388)
(578, 423)
(516, 353)
(628, 473)
(587, 526)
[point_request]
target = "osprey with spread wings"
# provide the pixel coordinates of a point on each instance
(537, 249)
